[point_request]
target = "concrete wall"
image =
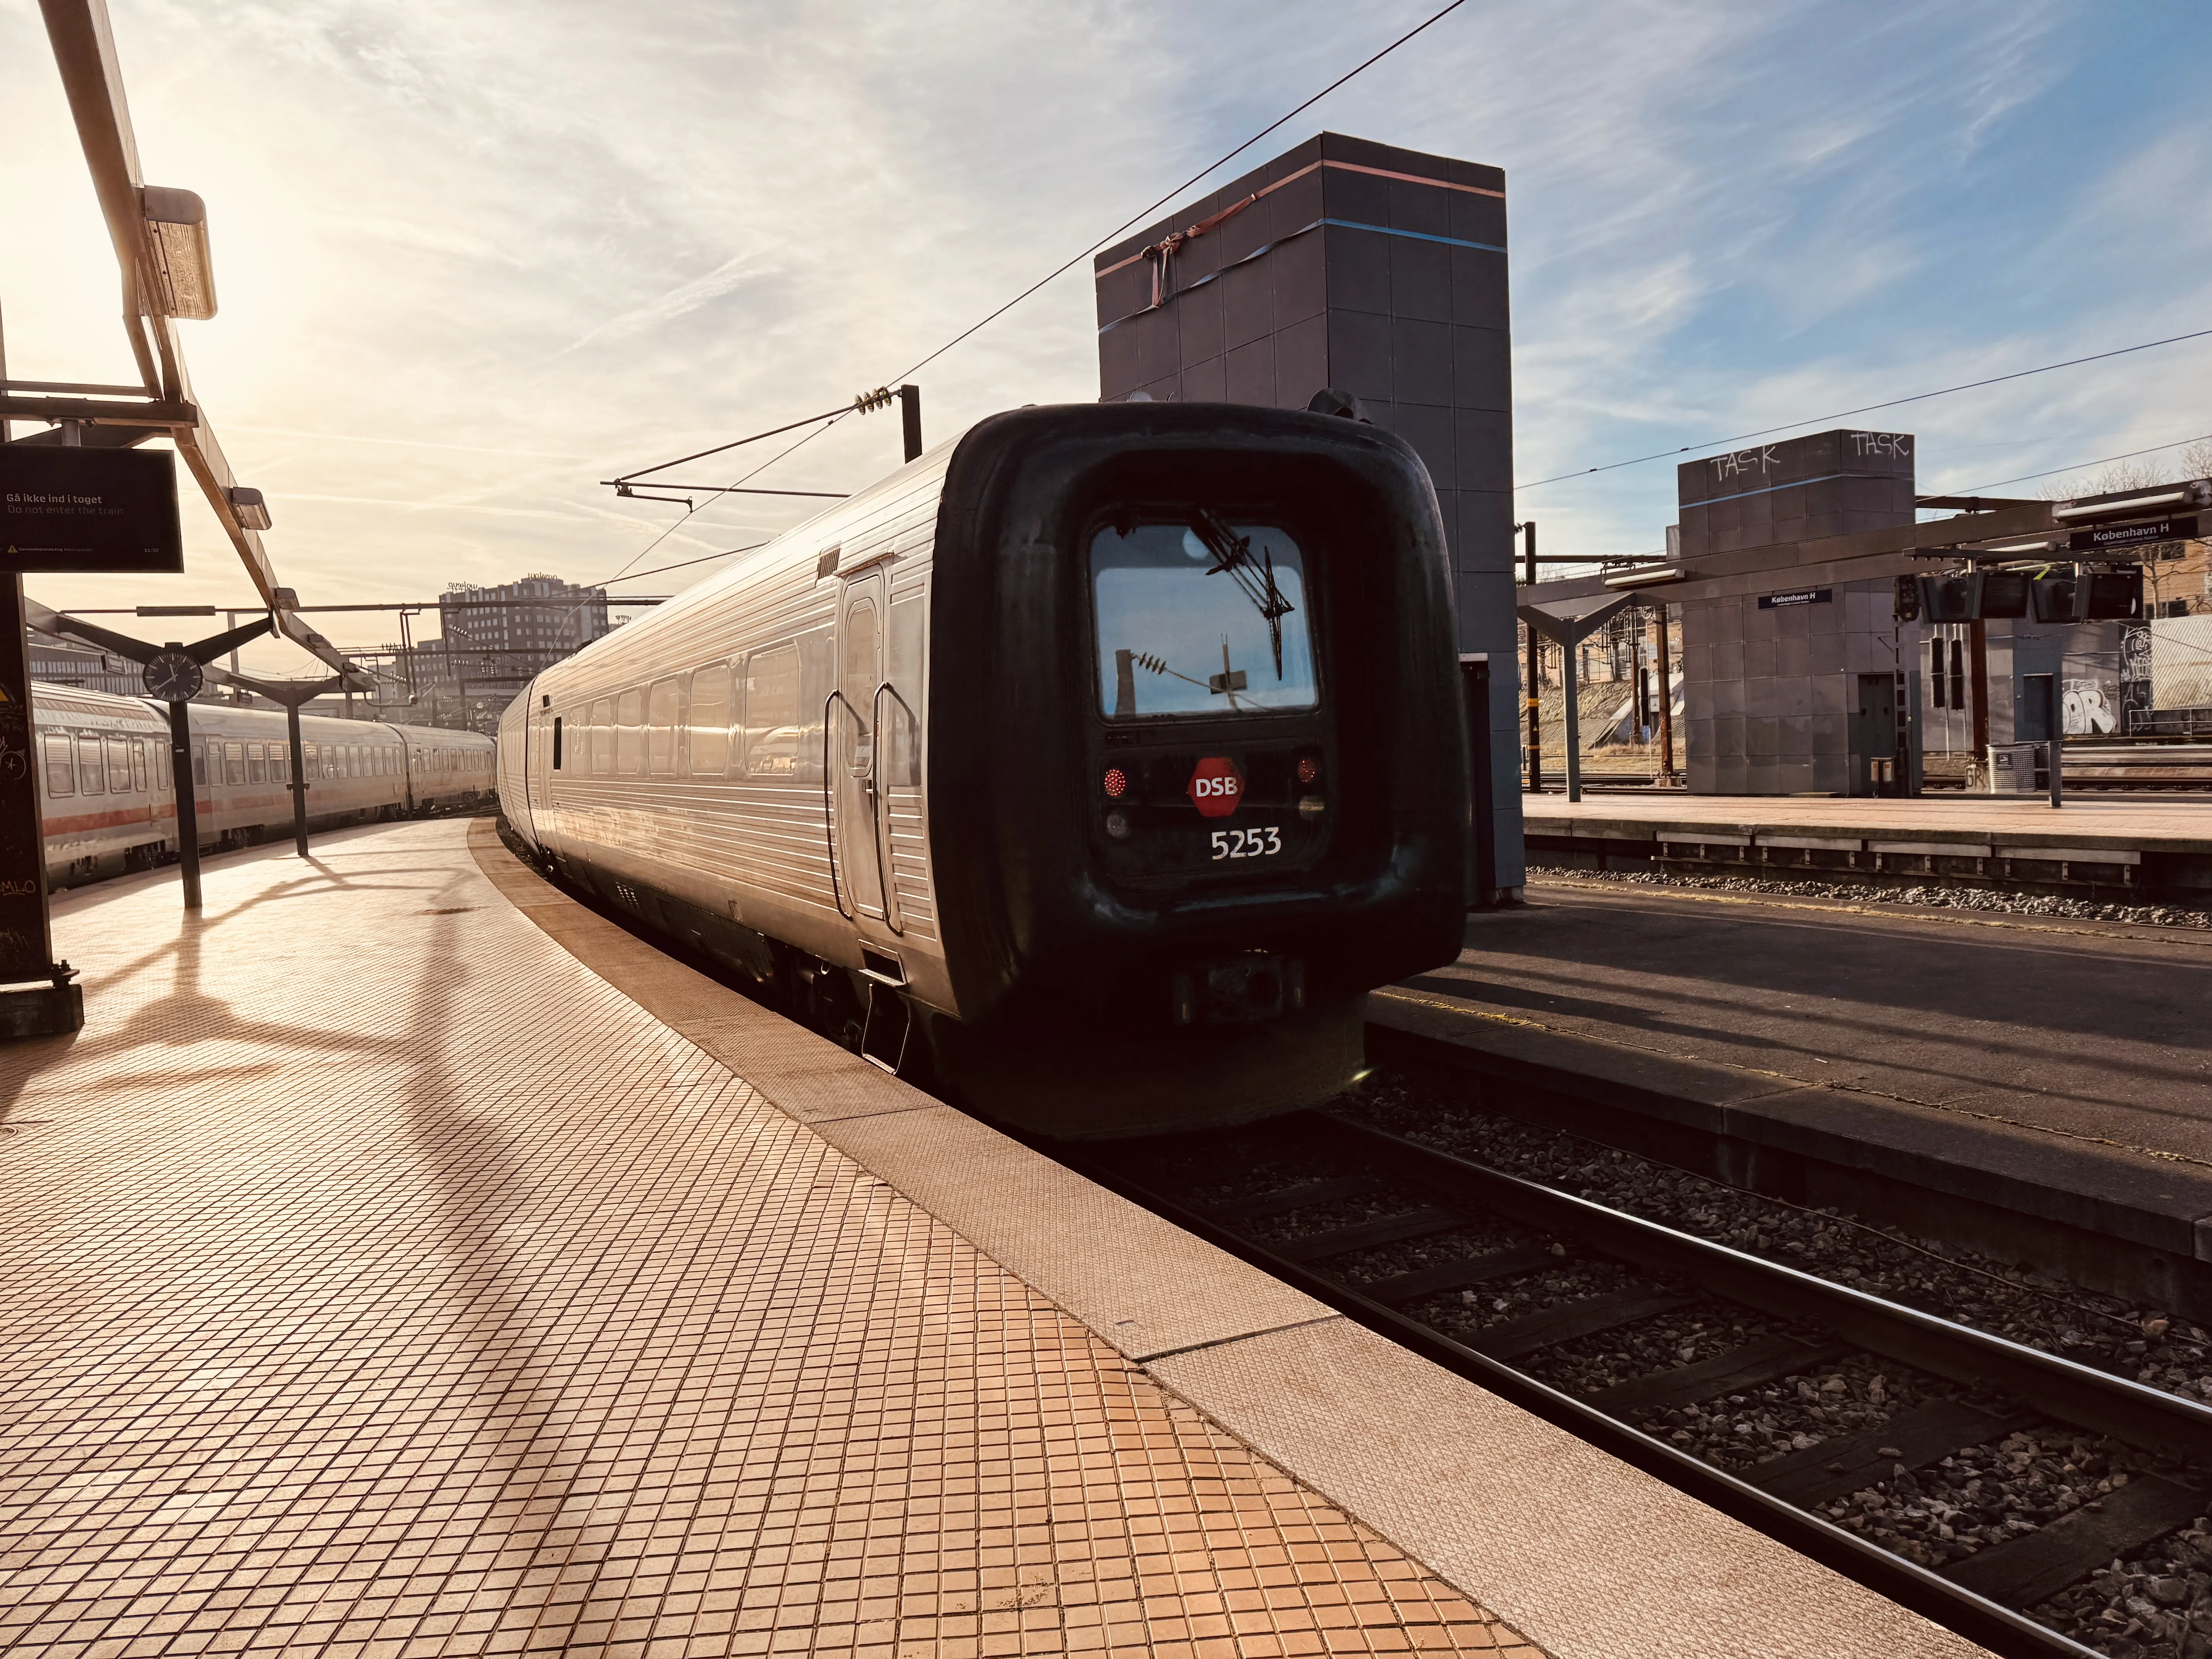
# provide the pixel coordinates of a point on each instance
(1767, 693)
(1378, 272)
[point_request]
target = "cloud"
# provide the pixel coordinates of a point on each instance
(679, 301)
(474, 257)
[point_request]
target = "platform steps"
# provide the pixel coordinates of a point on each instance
(2019, 1572)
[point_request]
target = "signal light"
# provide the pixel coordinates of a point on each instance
(1309, 770)
(1950, 599)
(1117, 824)
(2059, 595)
(2117, 595)
(2004, 593)
(1115, 783)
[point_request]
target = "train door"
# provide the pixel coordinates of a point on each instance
(854, 783)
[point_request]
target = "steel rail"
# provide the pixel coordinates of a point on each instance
(2127, 1410)
(2043, 1382)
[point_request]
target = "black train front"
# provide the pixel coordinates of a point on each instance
(1101, 760)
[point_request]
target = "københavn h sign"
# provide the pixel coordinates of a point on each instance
(92, 510)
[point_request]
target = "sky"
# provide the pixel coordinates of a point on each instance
(473, 258)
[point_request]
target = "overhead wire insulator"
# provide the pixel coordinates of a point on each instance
(868, 402)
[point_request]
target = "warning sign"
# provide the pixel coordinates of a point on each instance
(65, 509)
(1217, 787)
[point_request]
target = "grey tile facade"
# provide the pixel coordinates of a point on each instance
(1381, 272)
(1832, 484)
(1770, 681)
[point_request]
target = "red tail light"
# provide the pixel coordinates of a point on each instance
(1309, 770)
(1115, 783)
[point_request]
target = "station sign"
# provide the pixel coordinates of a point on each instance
(88, 511)
(2133, 535)
(1801, 595)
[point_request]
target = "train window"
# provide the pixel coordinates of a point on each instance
(199, 764)
(118, 766)
(61, 765)
(162, 777)
(602, 735)
(311, 759)
(89, 768)
(663, 729)
(902, 714)
(140, 772)
(1174, 639)
(256, 764)
(630, 732)
(774, 732)
(556, 743)
(710, 720)
(233, 763)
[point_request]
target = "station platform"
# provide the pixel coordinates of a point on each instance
(2015, 1066)
(406, 1260)
(2122, 847)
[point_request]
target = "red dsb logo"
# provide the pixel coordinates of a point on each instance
(1216, 786)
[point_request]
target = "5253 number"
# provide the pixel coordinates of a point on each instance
(1247, 843)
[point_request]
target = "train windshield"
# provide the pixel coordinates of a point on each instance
(1201, 616)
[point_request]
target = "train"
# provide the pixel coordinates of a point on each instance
(1092, 766)
(107, 792)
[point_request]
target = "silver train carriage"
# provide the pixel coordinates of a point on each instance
(1099, 760)
(107, 799)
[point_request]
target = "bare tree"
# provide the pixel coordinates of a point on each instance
(2192, 460)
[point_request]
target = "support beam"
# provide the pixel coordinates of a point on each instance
(84, 51)
(1569, 622)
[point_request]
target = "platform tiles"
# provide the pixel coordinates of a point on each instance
(380, 1283)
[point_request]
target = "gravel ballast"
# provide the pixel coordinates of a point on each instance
(1931, 896)
(1934, 1515)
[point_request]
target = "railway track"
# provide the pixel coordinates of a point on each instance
(1984, 1391)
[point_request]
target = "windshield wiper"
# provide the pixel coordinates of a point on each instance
(1255, 579)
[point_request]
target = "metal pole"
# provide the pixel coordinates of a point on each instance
(1666, 703)
(187, 794)
(910, 420)
(2057, 735)
(1978, 648)
(299, 779)
(1535, 670)
(27, 944)
(1573, 692)
(1474, 679)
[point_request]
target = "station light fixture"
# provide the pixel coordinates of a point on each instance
(2133, 503)
(252, 510)
(1647, 578)
(176, 234)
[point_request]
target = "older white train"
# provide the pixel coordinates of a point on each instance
(106, 795)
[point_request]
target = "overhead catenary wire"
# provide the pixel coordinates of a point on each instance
(822, 423)
(681, 564)
(2106, 460)
(1868, 408)
(1145, 213)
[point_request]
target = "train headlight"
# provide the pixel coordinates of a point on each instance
(1310, 807)
(1118, 826)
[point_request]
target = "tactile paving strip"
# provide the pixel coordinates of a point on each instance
(377, 1281)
